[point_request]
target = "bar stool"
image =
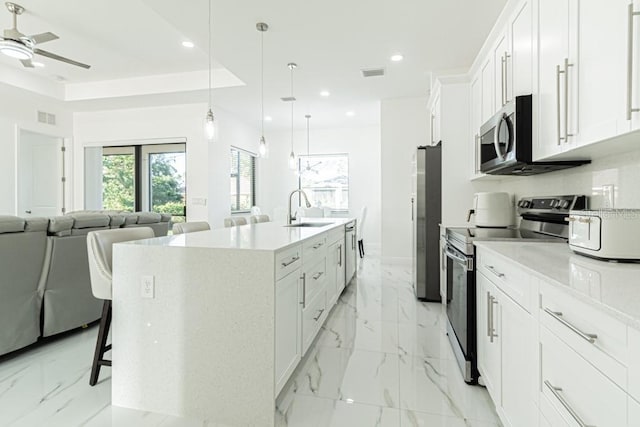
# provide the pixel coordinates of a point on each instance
(235, 221)
(190, 227)
(254, 219)
(100, 250)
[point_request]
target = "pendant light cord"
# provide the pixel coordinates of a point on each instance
(210, 54)
(262, 79)
(308, 117)
(292, 102)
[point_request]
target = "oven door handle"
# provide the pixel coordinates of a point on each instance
(467, 262)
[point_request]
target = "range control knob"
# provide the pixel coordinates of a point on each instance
(525, 203)
(564, 204)
(521, 204)
(555, 203)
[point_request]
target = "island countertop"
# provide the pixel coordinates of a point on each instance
(611, 286)
(265, 236)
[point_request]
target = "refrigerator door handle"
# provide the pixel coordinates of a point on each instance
(412, 202)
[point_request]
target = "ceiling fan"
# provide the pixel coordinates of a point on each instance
(19, 46)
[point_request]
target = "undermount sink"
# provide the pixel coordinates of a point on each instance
(310, 224)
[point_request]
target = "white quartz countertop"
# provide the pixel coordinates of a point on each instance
(613, 287)
(265, 236)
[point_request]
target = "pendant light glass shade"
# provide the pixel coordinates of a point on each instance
(292, 161)
(209, 120)
(209, 125)
(262, 148)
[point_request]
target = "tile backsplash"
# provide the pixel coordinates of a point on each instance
(612, 181)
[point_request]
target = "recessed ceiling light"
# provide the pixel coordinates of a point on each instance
(325, 93)
(267, 118)
(188, 44)
(350, 113)
(37, 64)
(397, 57)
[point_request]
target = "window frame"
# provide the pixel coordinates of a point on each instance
(236, 177)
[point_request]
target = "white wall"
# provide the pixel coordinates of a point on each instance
(18, 110)
(208, 163)
(363, 147)
(404, 126)
(621, 170)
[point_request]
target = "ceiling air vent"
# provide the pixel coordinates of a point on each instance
(372, 72)
(289, 98)
(46, 118)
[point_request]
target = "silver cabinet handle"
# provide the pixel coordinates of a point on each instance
(558, 316)
(340, 255)
(566, 100)
(489, 317)
(492, 331)
(27, 212)
(304, 290)
(317, 245)
(556, 392)
(630, 108)
(558, 106)
(319, 315)
(506, 77)
(291, 261)
(317, 275)
(492, 269)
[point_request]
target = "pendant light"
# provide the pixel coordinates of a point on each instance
(209, 119)
(309, 167)
(292, 157)
(262, 148)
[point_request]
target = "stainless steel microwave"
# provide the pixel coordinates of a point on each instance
(506, 143)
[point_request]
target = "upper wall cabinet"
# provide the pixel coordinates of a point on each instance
(588, 85)
(435, 116)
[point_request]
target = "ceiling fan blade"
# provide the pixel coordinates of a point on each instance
(27, 63)
(60, 58)
(43, 37)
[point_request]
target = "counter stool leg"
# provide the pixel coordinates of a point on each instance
(101, 344)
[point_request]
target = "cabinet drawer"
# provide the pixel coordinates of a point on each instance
(287, 261)
(313, 316)
(575, 389)
(508, 276)
(313, 279)
(595, 335)
(314, 247)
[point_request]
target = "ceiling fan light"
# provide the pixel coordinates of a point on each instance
(15, 50)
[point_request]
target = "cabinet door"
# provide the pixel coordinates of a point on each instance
(476, 122)
(518, 377)
(553, 49)
(435, 121)
(487, 89)
(603, 30)
(520, 64)
(288, 327)
(501, 56)
(489, 337)
(332, 272)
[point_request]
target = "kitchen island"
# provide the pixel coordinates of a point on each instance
(212, 324)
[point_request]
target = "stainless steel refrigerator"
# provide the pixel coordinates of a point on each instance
(426, 215)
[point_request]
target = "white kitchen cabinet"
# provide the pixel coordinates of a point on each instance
(634, 70)
(520, 64)
(335, 271)
(288, 327)
(488, 94)
(489, 336)
(476, 123)
(501, 56)
(634, 412)
(557, 65)
(435, 120)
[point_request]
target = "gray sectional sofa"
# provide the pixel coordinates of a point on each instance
(45, 287)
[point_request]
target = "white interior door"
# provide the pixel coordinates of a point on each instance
(40, 172)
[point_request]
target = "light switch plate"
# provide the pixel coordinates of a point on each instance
(199, 201)
(147, 287)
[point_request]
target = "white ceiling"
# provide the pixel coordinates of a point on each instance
(329, 40)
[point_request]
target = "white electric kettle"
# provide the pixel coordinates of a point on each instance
(492, 209)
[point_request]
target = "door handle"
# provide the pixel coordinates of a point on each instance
(566, 100)
(319, 314)
(556, 392)
(340, 255)
(304, 290)
(28, 212)
(591, 338)
(558, 106)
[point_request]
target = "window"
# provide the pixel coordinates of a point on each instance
(325, 179)
(145, 177)
(243, 180)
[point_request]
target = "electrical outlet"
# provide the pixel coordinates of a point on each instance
(608, 192)
(147, 287)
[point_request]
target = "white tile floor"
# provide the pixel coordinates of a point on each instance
(382, 359)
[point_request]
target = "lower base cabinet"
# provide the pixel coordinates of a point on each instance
(288, 327)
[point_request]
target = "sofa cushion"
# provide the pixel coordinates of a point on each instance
(90, 220)
(60, 225)
(130, 218)
(148, 217)
(165, 217)
(115, 220)
(37, 224)
(11, 224)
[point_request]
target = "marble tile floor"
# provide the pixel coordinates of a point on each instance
(381, 359)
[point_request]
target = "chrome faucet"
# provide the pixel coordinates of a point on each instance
(291, 217)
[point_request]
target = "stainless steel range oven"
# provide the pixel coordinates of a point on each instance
(542, 219)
